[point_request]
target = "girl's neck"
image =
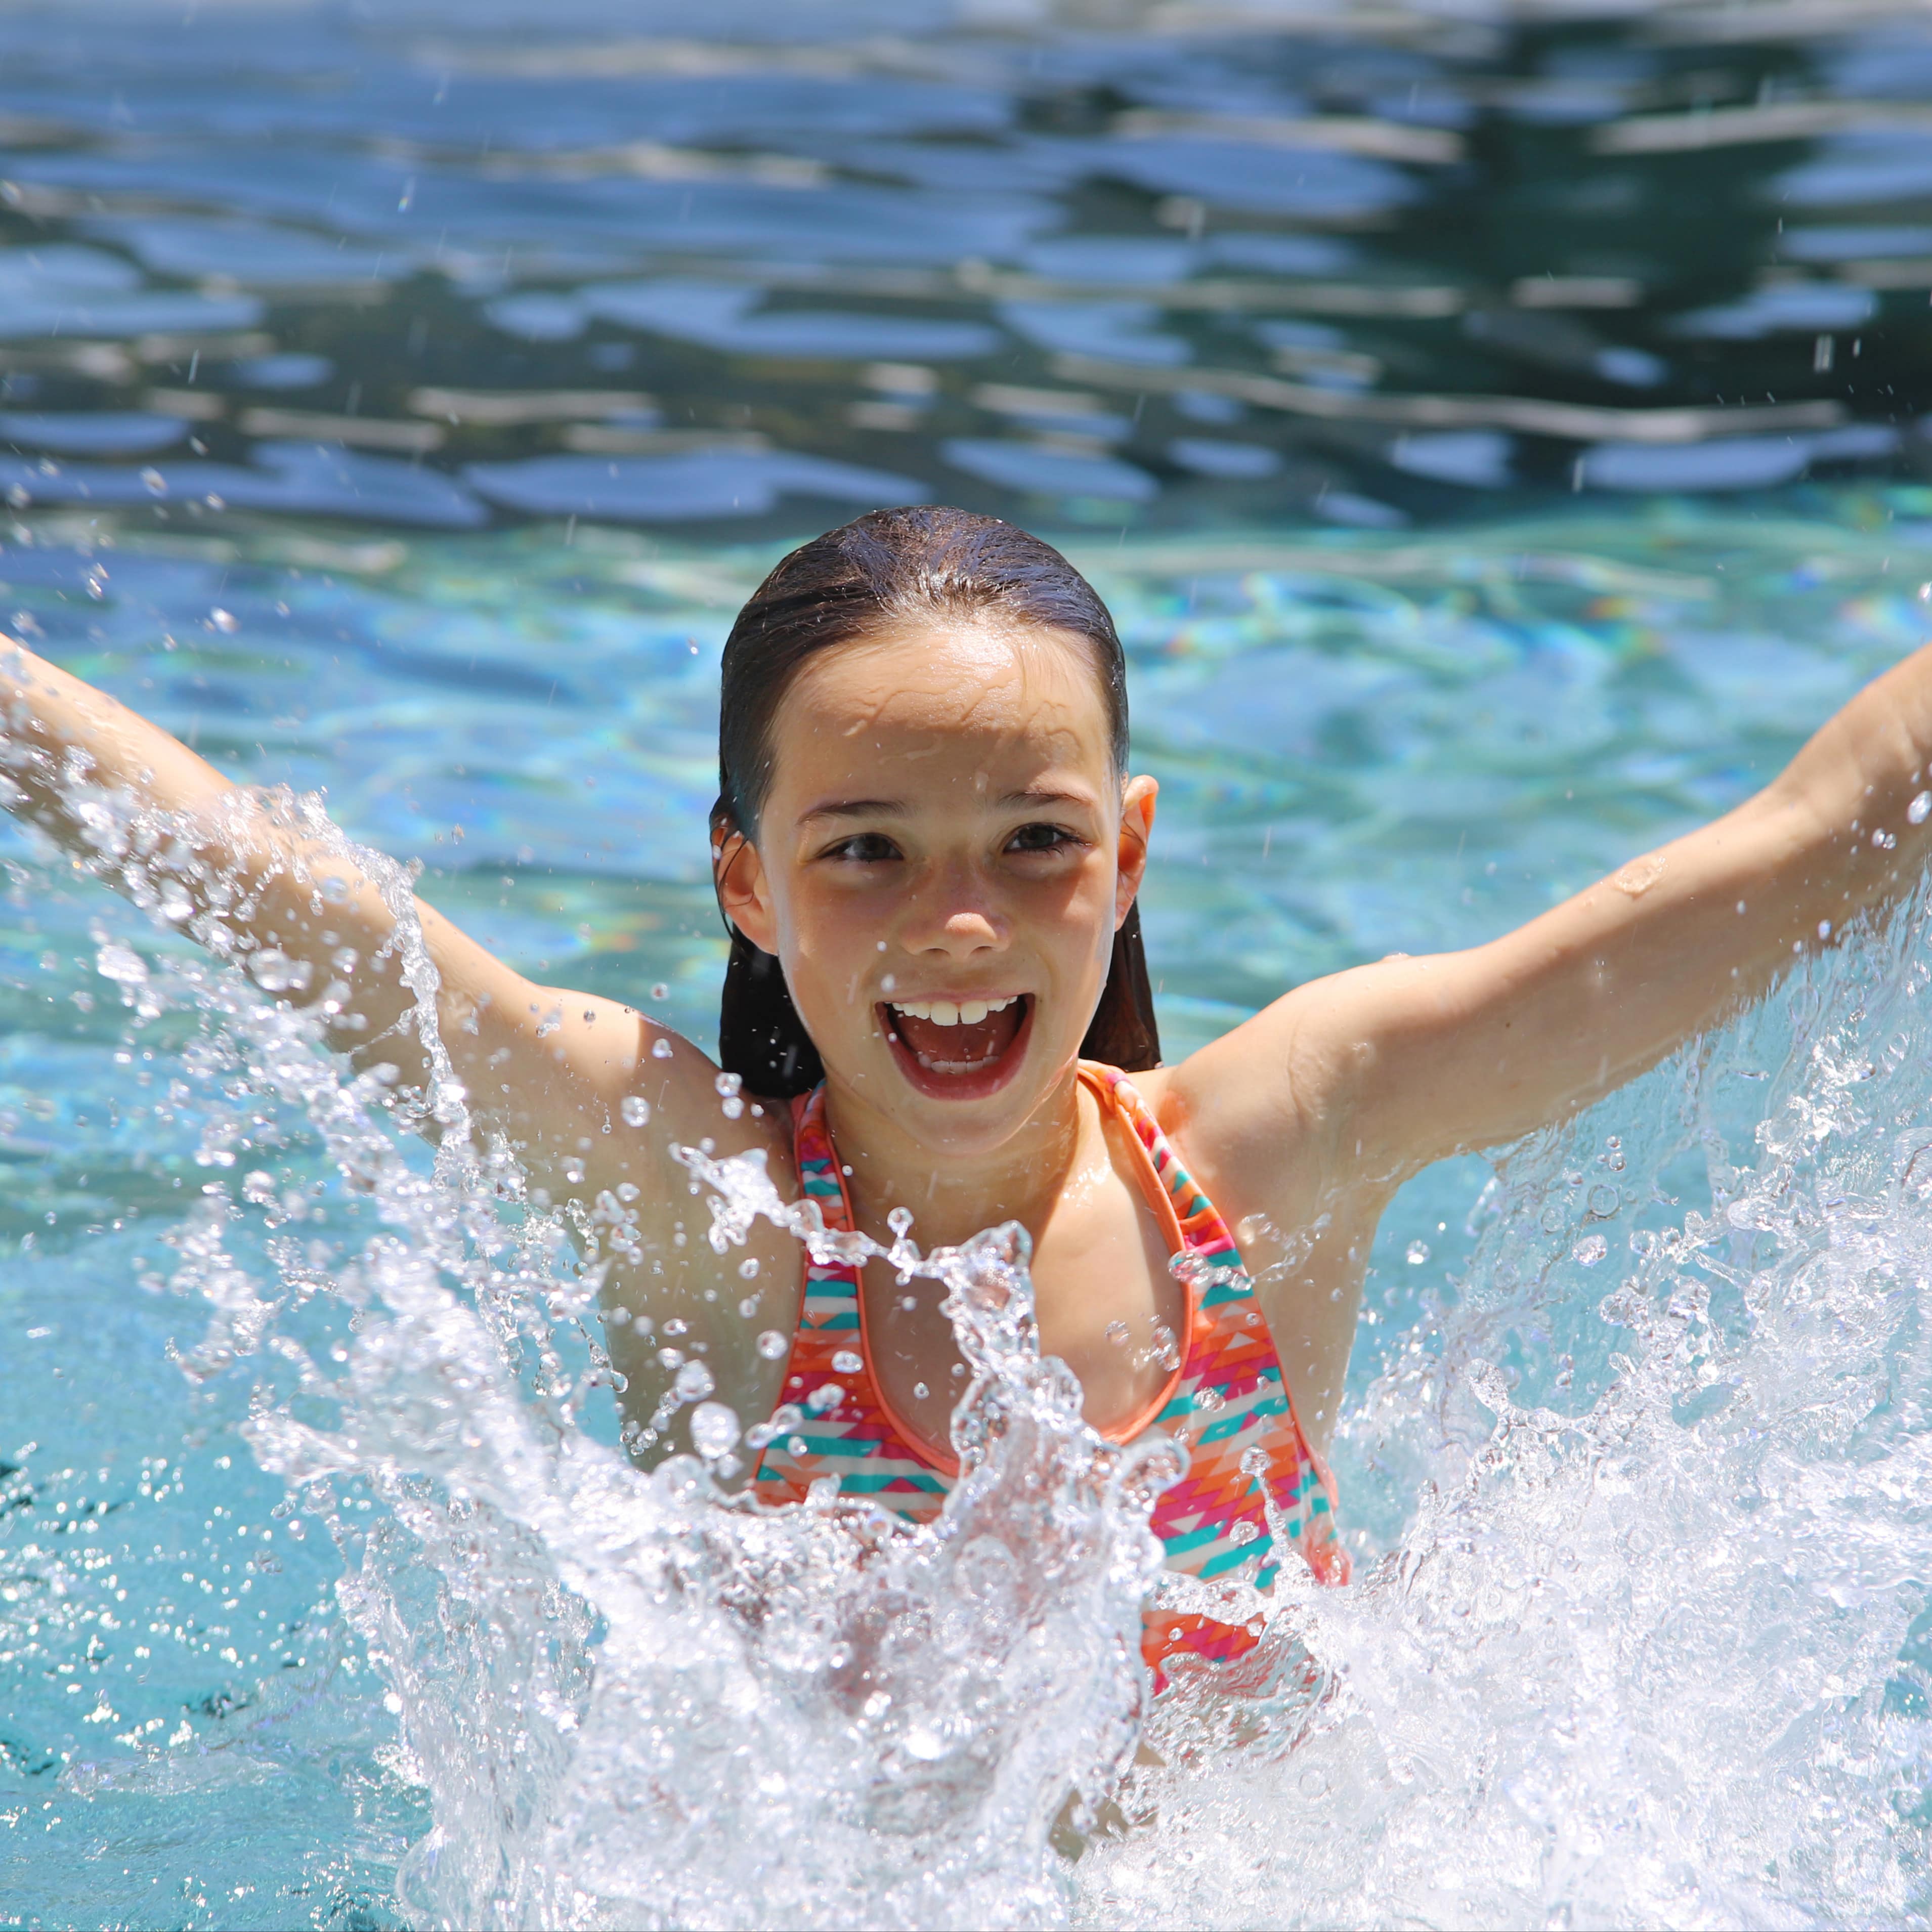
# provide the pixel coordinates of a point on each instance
(953, 1196)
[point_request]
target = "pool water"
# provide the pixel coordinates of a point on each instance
(1497, 438)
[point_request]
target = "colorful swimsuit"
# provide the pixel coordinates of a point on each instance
(1227, 1399)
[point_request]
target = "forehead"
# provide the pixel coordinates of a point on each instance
(946, 696)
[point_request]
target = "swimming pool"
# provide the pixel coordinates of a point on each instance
(1499, 450)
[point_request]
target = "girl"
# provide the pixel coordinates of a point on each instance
(927, 846)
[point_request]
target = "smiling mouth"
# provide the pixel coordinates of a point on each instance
(958, 1048)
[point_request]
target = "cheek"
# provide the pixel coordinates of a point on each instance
(1076, 896)
(1071, 917)
(829, 940)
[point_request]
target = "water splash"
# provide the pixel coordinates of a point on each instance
(637, 1699)
(1647, 1644)
(1650, 1649)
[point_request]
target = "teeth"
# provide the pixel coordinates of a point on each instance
(944, 1012)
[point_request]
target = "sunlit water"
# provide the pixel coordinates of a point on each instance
(325, 1594)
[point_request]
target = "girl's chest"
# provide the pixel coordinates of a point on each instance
(1107, 1302)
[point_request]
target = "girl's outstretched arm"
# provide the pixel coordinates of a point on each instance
(1410, 1060)
(550, 1070)
(559, 1075)
(248, 880)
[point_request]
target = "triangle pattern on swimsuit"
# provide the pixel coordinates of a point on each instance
(1229, 1400)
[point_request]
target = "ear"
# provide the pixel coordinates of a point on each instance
(744, 890)
(1137, 803)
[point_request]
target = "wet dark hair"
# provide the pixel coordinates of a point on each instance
(840, 589)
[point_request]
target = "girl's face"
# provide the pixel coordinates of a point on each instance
(943, 855)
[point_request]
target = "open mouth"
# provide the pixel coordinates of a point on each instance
(958, 1049)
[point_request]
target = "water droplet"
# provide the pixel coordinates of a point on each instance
(1920, 808)
(748, 1269)
(1604, 1200)
(695, 1382)
(223, 621)
(714, 1430)
(848, 1363)
(635, 1109)
(661, 1049)
(920, 1391)
(1590, 1250)
(1416, 1253)
(660, 992)
(273, 970)
(1116, 1332)
(772, 1345)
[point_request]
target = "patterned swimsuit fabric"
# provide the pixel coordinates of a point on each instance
(1228, 1399)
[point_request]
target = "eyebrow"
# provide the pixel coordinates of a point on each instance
(1040, 795)
(885, 808)
(854, 807)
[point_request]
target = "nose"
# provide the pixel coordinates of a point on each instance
(955, 913)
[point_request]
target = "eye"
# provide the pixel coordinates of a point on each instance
(863, 848)
(1041, 839)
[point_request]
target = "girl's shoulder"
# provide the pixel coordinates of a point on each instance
(1183, 1100)
(1255, 1136)
(1165, 1102)
(659, 1099)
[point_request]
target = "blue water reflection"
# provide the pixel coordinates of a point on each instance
(1500, 439)
(1689, 227)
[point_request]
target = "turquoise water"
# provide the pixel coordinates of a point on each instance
(1497, 460)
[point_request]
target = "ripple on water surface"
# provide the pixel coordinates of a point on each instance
(1632, 257)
